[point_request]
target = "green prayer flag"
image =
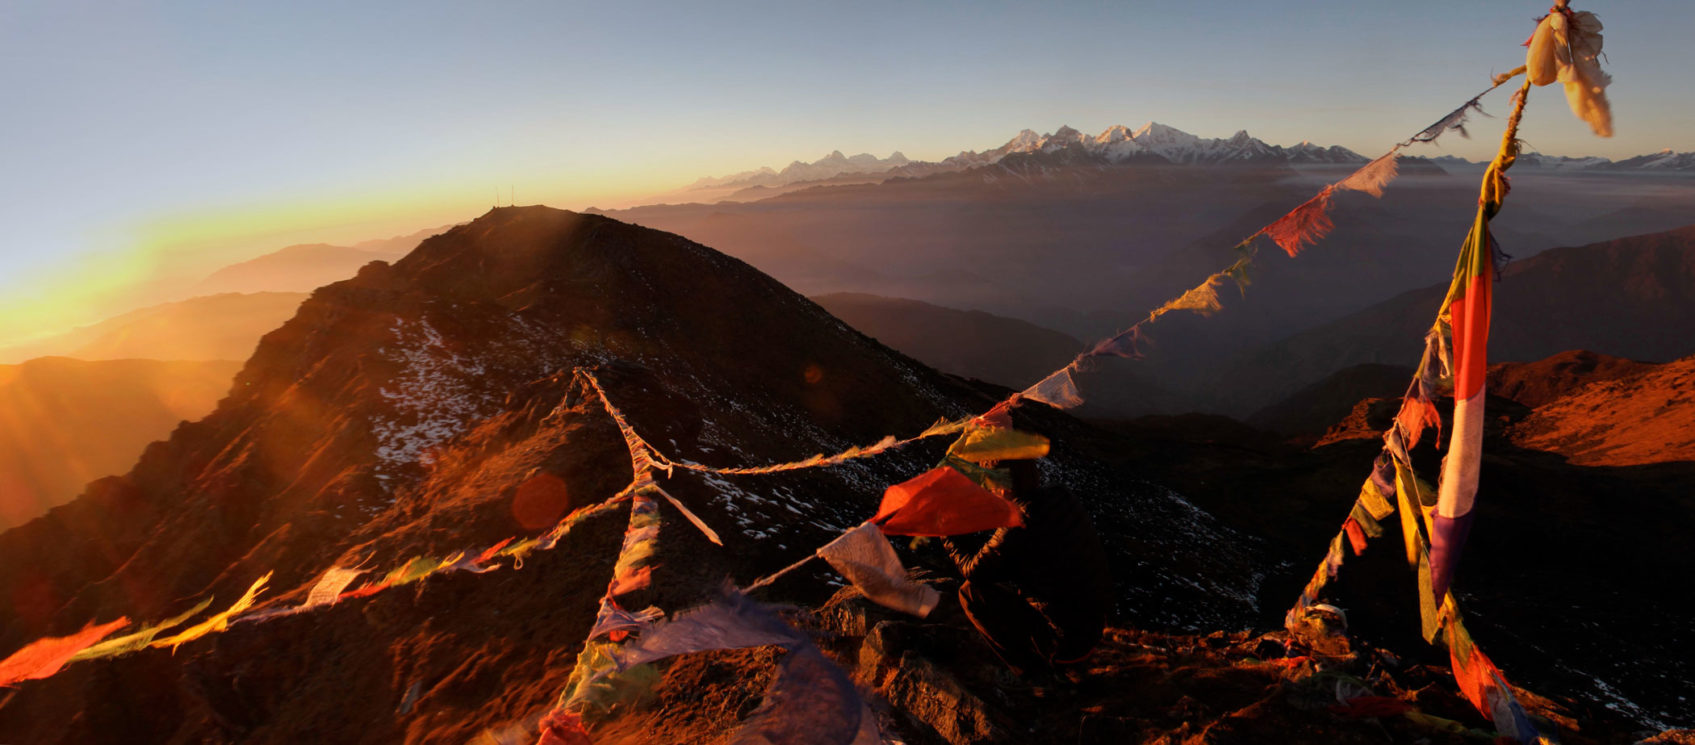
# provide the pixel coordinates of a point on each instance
(1367, 521)
(1375, 502)
(139, 640)
(1429, 615)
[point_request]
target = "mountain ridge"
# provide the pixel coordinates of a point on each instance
(1152, 142)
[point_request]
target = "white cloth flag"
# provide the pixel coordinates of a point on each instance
(329, 588)
(863, 555)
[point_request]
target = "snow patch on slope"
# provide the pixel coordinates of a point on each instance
(432, 398)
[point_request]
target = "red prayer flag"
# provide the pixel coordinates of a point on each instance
(561, 727)
(42, 658)
(1476, 676)
(1356, 535)
(943, 502)
(364, 592)
(489, 554)
(1305, 224)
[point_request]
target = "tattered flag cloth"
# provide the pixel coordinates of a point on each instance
(364, 592)
(1467, 311)
(810, 702)
(634, 569)
(614, 622)
(603, 675)
(732, 621)
(1308, 223)
(329, 588)
(1374, 176)
(863, 555)
(1483, 685)
(1566, 47)
(477, 564)
(561, 727)
(599, 684)
(139, 640)
(943, 502)
(44, 657)
(416, 568)
(218, 622)
(1058, 390)
(990, 444)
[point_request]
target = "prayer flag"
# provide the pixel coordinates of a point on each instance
(1467, 308)
(615, 622)
(561, 727)
(634, 570)
(943, 502)
(416, 568)
(1305, 224)
(1058, 390)
(990, 444)
(863, 555)
(1566, 47)
(217, 622)
(43, 657)
(328, 589)
(139, 640)
(1373, 176)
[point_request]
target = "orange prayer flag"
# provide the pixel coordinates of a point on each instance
(44, 657)
(1305, 224)
(943, 502)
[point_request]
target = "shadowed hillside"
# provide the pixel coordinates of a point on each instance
(1004, 351)
(1632, 297)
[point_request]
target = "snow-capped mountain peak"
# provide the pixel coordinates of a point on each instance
(1152, 142)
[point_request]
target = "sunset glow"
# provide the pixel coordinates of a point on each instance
(161, 143)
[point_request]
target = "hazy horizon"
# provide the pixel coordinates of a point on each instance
(162, 143)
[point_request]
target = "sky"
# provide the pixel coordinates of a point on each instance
(144, 144)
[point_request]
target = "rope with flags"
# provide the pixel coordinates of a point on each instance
(1435, 523)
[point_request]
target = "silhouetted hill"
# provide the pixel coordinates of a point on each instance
(213, 327)
(65, 422)
(972, 343)
(1312, 410)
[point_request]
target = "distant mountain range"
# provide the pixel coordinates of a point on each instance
(1664, 161)
(1632, 297)
(305, 267)
(827, 167)
(1151, 143)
